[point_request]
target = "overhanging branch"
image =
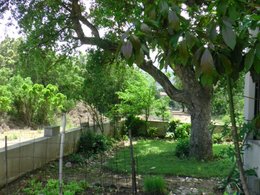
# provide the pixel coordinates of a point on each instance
(162, 79)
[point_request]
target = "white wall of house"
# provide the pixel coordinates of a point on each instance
(251, 154)
(249, 93)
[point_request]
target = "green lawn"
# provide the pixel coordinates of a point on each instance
(157, 157)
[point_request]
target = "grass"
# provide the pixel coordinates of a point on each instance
(157, 157)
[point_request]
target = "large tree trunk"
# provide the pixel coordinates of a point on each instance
(197, 99)
(200, 139)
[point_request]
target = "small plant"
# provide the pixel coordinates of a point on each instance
(12, 137)
(182, 148)
(153, 132)
(182, 131)
(52, 187)
(154, 186)
(76, 158)
(217, 138)
(172, 125)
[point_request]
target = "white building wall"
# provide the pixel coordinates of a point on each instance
(249, 93)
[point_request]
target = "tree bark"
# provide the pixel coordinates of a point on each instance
(200, 139)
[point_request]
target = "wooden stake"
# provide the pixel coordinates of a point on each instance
(63, 126)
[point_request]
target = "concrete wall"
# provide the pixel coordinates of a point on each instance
(30, 155)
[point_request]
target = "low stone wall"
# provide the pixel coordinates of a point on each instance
(160, 126)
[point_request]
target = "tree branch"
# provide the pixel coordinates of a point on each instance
(163, 80)
(90, 26)
(77, 17)
(99, 42)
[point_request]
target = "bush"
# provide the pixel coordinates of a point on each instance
(154, 186)
(5, 99)
(90, 143)
(137, 126)
(182, 148)
(217, 138)
(76, 158)
(36, 103)
(182, 131)
(152, 132)
(172, 125)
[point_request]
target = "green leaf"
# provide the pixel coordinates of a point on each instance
(127, 49)
(173, 20)
(233, 13)
(183, 52)
(225, 62)
(196, 57)
(151, 23)
(206, 80)
(174, 40)
(256, 65)
(145, 28)
(258, 50)
(206, 63)
(212, 32)
(249, 59)
(191, 40)
(222, 7)
(139, 57)
(164, 8)
(229, 36)
(152, 14)
(135, 42)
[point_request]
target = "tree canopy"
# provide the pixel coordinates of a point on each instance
(200, 41)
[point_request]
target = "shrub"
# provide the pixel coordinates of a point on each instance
(182, 148)
(172, 125)
(76, 158)
(217, 138)
(156, 132)
(36, 103)
(5, 99)
(154, 186)
(90, 143)
(182, 131)
(152, 132)
(137, 126)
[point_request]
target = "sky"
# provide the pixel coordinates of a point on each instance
(7, 30)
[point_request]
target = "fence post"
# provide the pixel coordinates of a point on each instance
(63, 126)
(6, 166)
(134, 189)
